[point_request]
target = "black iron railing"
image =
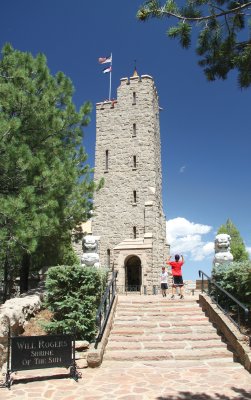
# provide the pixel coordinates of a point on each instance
(105, 308)
(131, 289)
(137, 289)
(237, 312)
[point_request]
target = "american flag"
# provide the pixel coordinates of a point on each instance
(107, 69)
(104, 60)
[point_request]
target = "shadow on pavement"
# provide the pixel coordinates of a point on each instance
(241, 394)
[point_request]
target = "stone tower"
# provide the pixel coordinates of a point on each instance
(128, 214)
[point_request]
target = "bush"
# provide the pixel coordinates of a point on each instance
(73, 295)
(236, 279)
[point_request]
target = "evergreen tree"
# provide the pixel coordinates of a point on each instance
(45, 183)
(237, 245)
(224, 40)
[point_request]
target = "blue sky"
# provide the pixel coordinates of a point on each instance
(205, 127)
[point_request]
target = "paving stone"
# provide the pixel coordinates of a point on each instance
(181, 377)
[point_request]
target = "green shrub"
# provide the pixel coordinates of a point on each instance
(236, 279)
(73, 295)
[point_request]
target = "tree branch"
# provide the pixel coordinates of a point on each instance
(206, 17)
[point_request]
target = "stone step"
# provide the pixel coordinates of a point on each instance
(172, 305)
(157, 318)
(162, 311)
(159, 304)
(171, 354)
(167, 345)
(157, 311)
(171, 364)
(166, 337)
(156, 323)
(155, 299)
(160, 330)
(178, 330)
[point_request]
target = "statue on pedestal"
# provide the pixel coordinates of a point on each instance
(223, 254)
(90, 255)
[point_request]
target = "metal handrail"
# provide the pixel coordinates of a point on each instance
(211, 282)
(105, 307)
(137, 289)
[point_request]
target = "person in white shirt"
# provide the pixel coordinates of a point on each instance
(163, 281)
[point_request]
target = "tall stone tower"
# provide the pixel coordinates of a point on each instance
(128, 214)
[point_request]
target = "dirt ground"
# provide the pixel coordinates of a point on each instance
(35, 325)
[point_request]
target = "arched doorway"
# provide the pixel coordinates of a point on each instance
(133, 273)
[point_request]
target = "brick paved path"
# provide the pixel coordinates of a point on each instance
(173, 378)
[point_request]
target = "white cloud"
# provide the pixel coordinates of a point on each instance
(248, 250)
(182, 169)
(208, 248)
(186, 237)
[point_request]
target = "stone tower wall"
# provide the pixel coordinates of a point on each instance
(128, 157)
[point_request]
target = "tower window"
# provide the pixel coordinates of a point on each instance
(106, 160)
(134, 98)
(134, 130)
(134, 232)
(134, 162)
(134, 197)
(108, 258)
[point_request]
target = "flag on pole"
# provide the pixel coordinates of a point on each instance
(107, 69)
(104, 60)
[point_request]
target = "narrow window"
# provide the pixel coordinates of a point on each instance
(134, 162)
(108, 258)
(134, 196)
(134, 130)
(134, 98)
(134, 232)
(106, 160)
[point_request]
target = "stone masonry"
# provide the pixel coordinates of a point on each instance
(128, 214)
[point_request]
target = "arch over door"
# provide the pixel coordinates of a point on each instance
(133, 273)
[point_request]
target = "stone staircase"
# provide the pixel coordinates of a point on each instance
(152, 328)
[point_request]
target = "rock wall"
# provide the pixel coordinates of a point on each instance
(14, 314)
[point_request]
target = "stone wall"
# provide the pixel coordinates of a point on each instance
(128, 157)
(14, 314)
(237, 341)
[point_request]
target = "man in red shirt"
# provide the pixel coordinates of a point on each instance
(177, 274)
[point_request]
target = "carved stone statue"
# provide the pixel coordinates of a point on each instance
(90, 255)
(223, 254)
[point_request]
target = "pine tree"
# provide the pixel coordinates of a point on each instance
(237, 245)
(223, 26)
(45, 184)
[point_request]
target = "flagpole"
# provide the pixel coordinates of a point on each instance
(110, 88)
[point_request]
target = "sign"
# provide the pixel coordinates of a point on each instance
(33, 352)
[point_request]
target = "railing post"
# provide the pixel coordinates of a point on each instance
(105, 307)
(239, 317)
(246, 312)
